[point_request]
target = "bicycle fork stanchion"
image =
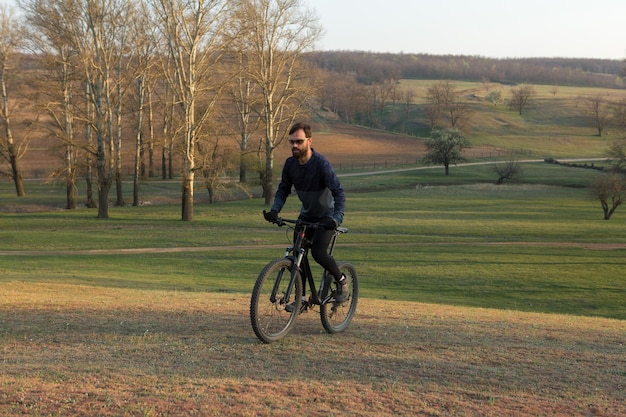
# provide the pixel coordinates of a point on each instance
(279, 277)
(294, 272)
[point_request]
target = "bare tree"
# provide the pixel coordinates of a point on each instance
(597, 109)
(125, 40)
(216, 160)
(92, 29)
(65, 122)
(617, 153)
(408, 96)
(521, 98)
(243, 97)
(458, 112)
(383, 92)
(437, 96)
(619, 114)
(48, 39)
(10, 149)
(89, 139)
(507, 170)
(194, 34)
(168, 134)
(144, 50)
(445, 147)
(340, 93)
(610, 190)
(99, 39)
(277, 32)
(442, 99)
(78, 34)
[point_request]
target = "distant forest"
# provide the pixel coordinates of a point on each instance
(371, 68)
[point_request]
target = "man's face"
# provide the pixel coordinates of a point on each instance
(300, 144)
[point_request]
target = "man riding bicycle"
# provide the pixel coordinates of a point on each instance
(323, 199)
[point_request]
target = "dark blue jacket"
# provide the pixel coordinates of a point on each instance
(317, 186)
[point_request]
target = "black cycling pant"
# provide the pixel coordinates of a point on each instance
(320, 239)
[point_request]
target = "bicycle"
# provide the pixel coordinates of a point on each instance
(276, 298)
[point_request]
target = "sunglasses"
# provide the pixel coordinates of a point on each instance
(296, 141)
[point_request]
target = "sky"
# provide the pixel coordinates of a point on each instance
(488, 28)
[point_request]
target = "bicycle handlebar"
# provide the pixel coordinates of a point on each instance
(314, 225)
(282, 222)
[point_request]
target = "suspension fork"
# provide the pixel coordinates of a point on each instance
(294, 274)
(295, 262)
(298, 255)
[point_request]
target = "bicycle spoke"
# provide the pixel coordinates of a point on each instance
(337, 316)
(269, 317)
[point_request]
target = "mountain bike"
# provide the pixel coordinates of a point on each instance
(277, 297)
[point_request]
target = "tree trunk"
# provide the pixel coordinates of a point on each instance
(187, 196)
(89, 202)
(119, 189)
(118, 146)
(103, 196)
(104, 179)
(138, 144)
(269, 176)
(105, 164)
(243, 169)
(150, 134)
(70, 177)
(68, 128)
(13, 157)
(16, 172)
(163, 162)
(170, 162)
(70, 193)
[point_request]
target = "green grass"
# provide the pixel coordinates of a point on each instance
(538, 246)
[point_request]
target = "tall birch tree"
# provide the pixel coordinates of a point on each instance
(277, 34)
(96, 38)
(193, 32)
(48, 37)
(10, 149)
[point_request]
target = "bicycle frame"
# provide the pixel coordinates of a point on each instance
(300, 250)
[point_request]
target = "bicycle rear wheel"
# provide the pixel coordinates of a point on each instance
(270, 320)
(335, 316)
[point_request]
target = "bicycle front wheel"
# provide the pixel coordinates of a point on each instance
(337, 316)
(269, 314)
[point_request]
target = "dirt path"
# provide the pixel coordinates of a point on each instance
(127, 251)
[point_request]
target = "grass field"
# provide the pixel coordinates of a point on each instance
(477, 300)
(88, 350)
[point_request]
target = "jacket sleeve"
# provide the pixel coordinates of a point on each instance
(333, 184)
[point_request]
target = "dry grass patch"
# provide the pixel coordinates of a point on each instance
(79, 350)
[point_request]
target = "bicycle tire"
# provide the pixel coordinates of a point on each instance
(270, 320)
(335, 316)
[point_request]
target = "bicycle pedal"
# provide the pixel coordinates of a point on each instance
(303, 307)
